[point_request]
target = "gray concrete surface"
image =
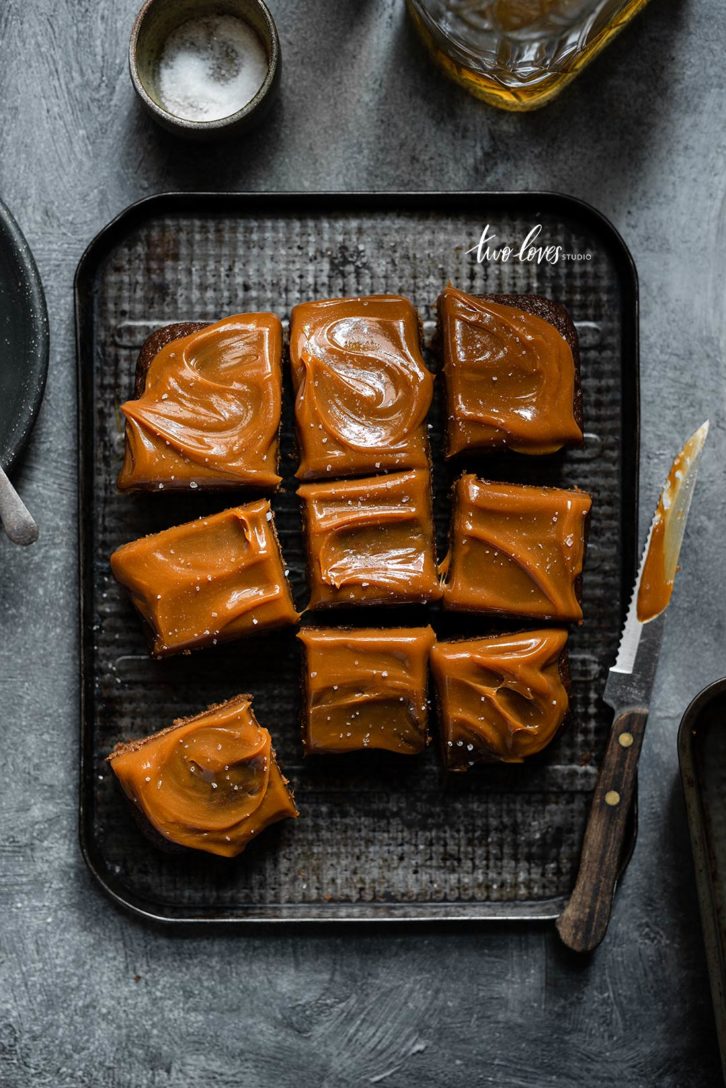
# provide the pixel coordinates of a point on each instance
(89, 997)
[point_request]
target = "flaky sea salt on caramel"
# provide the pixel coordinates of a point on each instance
(370, 541)
(207, 409)
(362, 389)
(366, 688)
(501, 698)
(216, 578)
(210, 782)
(511, 369)
(516, 549)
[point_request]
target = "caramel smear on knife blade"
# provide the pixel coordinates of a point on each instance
(661, 563)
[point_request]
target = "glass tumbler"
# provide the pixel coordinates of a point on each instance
(518, 54)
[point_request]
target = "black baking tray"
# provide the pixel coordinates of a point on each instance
(380, 837)
(702, 757)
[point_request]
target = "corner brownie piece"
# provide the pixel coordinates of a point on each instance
(206, 412)
(370, 541)
(213, 579)
(501, 699)
(210, 782)
(362, 389)
(366, 688)
(512, 372)
(516, 549)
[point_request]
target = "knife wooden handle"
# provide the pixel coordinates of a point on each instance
(584, 921)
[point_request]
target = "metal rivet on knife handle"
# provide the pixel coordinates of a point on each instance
(625, 740)
(612, 797)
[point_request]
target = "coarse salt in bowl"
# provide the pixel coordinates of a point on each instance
(204, 68)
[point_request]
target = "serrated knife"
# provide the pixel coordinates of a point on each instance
(584, 921)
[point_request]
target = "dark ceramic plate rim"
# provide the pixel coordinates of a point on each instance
(179, 202)
(713, 936)
(35, 360)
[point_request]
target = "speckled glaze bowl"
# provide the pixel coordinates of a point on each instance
(157, 19)
(23, 340)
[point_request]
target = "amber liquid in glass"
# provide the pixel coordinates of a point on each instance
(518, 54)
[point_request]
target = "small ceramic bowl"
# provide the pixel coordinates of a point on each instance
(158, 20)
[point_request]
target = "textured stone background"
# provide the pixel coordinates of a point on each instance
(91, 997)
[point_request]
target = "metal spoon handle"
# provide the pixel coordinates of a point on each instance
(16, 519)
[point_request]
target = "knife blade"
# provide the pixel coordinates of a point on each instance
(584, 921)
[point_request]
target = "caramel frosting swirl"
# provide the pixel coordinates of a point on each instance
(362, 387)
(502, 698)
(209, 412)
(516, 549)
(510, 375)
(219, 577)
(209, 782)
(366, 688)
(370, 541)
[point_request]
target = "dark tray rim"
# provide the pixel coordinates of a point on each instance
(174, 202)
(35, 361)
(704, 870)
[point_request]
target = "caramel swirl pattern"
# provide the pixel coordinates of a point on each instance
(370, 541)
(209, 412)
(209, 782)
(510, 376)
(362, 387)
(215, 578)
(366, 688)
(516, 549)
(502, 698)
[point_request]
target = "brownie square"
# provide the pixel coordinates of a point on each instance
(206, 412)
(366, 688)
(362, 389)
(213, 579)
(516, 550)
(210, 782)
(512, 373)
(501, 699)
(370, 541)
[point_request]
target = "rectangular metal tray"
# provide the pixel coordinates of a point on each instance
(379, 838)
(702, 757)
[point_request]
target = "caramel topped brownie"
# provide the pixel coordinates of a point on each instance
(210, 782)
(370, 541)
(502, 698)
(219, 577)
(207, 408)
(512, 373)
(516, 550)
(366, 688)
(362, 389)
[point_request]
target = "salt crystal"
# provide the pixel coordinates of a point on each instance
(210, 68)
